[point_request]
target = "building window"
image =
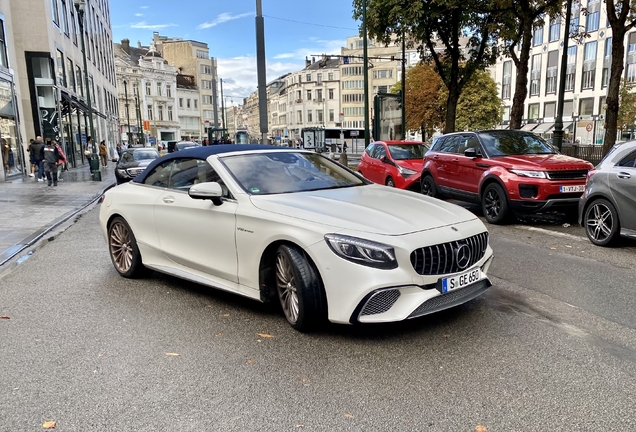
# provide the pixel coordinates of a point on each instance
(71, 74)
(319, 95)
(555, 29)
(55, 12)
(537, 36)
(299, 96)
(319, 78)
(330, 76)
(319, 116)
(330, 93)
(308, 77)
(631, 58)
(206, 69)
(310, 117)
(533, 111)
(180, 102)
(551, 72)
(570, 72)
(61, 71)
(535, 75)
(188, 103)
(159, 89)
(148, 89)
(149, 112)
(202, 54)
(299, 117)
(308, 95)
(549, 109)
(196, 103)
(379, 74)
(170, 116)
(507, 79)
(78, 80)
(206, 84)
(589, 65)
(607, 62)
(586, 107)
(169, 91)
(3, 47)
(74, 25)
(331, 115)
(64, 18)
(206, 99)
(506, 114)
(594, 16)
(160, 113)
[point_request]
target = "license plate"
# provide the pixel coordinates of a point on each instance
(566, 189)
(461, 280)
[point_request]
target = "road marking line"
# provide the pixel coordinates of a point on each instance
(554, 233)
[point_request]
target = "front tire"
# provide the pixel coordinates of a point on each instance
(123, 249)
(601, 223)
(494, 204)
(299, 289)
(390, 182)
(428, 186)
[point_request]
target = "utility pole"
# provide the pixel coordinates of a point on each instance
(365, 56)
(222, 108)
(403, 85)
(127, 111)
(260, 69)
(557, 134)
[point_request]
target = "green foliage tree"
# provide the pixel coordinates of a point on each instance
(479, 106)
(621, 15)
(627, 111)
(457, 36)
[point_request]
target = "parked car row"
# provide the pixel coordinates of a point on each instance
(512, 172)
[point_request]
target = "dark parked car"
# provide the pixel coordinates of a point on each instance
(507, 171)
(132, 162)
(608, 206)
(174, 146)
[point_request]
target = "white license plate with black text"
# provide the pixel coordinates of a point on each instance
(567, 189)
(461, 280)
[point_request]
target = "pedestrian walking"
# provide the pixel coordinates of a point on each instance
(32, 161)
(6, 156)
(103, 153)
(51, 156)
(61, 164)
(119, 149)
(37, 157)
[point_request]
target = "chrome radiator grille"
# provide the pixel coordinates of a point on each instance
(451, 257)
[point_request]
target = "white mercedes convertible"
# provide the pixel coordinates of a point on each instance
(277, 224)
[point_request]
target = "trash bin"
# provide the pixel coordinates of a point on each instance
(93, 163)
(334, 148)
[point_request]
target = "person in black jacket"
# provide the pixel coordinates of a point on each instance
(51, 156)
(37, 156)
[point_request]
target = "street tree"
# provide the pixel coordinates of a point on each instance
(479, 106)
(627, 107)
(517, 19)
(622, 18)
(455, 35)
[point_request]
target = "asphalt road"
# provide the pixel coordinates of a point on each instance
(551, 346)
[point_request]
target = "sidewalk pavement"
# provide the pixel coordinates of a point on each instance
(30, 208)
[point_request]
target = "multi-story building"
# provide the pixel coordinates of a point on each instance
(251, 116)
(154, 84)
(50, 72)
(587, 75)
(312, 97)
(188, 110)
(277, 109)
(13, 159)
(193, 58)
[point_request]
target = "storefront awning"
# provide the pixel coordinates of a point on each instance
(543, 128)
(529, 126)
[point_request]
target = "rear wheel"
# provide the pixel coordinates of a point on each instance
(494, 204)
(123, 249)
(299, 289)
(390, 182)
(601, 223)
(428, 186)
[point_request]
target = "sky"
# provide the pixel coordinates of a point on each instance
(294, 29)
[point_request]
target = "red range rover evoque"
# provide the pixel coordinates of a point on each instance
(505, 170)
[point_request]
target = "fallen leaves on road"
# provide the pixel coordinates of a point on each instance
(173, 354)
(49, 425)
(265, 335)
(250, 361)
(480, 428)
(4, 317)
(217, 334)
(300, 425)
(225, 315)
(349, 416)
(553, 248)
(446, 335)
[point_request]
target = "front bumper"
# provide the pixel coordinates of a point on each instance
(359, 294)
(536, 206)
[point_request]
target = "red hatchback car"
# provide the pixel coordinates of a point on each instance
(394, 163)
(507, 171)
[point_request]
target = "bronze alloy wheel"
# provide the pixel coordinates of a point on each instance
(287, 290)
(120, 246)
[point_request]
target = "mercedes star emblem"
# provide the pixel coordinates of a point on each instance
(463, 256)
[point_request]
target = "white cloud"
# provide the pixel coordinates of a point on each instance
(284, 56)
(145, 26)
(224, 17)
(139, 15)
(143, 7)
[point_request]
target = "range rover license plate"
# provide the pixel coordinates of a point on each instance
(567, 189)
(461, 280)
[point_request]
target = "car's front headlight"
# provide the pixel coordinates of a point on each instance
(530, 174)
(123, 172)
(362, 251)
(405, 172)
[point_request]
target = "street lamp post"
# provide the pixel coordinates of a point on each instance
(222, 107)
(139, 119)
(80, 7)
(557, 134)
(127, 111)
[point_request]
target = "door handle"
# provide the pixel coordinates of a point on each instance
(168, 200)
(435, 157)
(482, 165)
(623, 175)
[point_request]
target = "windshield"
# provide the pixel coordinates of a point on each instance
(182, 146)
(504, 143)
(288, 172)
(407, 151)
(145, 154)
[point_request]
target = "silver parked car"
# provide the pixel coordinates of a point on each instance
(608, 206)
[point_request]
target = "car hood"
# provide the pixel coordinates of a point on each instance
(543, 161)
(414, 164)
(371, 208)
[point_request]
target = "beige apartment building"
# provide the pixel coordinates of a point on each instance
(189, 113)
(193, 58)
(251, 116)
(50, 74)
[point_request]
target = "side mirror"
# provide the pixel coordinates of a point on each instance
(472, 153)
(383, 159)
(209, 190)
